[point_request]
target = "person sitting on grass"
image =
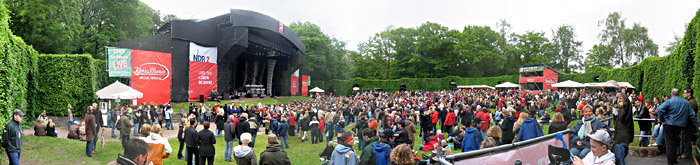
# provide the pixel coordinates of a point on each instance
(73, 131)
(243, 154)
(135, 152)
(39, 128)
(557, 124)
(600, 153)
(51, 129)
(488, 143)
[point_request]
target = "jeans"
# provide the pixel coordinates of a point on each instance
(483, 134)
(218, 132)
(620, 150)
(228, 150)
(169, 124)
(113, 126)
(580, 152)
(644, 141)
(179, 151)
(13, 157)
(362, 143)
(137, 126)
(252, 142)
(449, 129)
(88, 148)
(94, 142)
(201, 118)
(125, 139)
(672, 142)
(659, 134)
(685, 142)
(331, 133)
(283, 139)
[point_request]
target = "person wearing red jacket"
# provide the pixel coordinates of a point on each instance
(449, 120)
(434, 118)
(485, 124)
(292, 124)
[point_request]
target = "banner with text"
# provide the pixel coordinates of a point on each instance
(151, 75)
(119, 62)
(202, 71)
(305, 85)
(295, 83)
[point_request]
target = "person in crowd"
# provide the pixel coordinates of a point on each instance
(244, 154)
(242, 126)
(12, 137)
(99, 121)
(282, 132)
(39, 128)
(579, 139)
(43, 116)
(181, 136)
(125, 130)
(367, 151)
(220, 120)
(90, 127)
(343, 153)
(507, 126)
(600, 153)
(624, 127)
(485, 117)
(330, 120)
(206, 145)
(253, 129)
(472, 137)
(192, 142)
(157, 144)
(51, 129)
(402, 155)
(273, 153)
(410, 130)
(145, 131)
(495, 133)
(229, 134)
(402, 137)
(449, 121)
(644, 126)
(518, 124)
(168, 117)
(73, 131)
(557, 123)
(315, 133)
(488, 143)
(340, 126)
(361, 124)
(688, 134)
(139, 119)
(382, 151)
(675, 113)
(135, 152)
(70, 114)
(112, 120)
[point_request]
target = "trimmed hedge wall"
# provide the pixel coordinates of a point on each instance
(344, 87)
(66, 79)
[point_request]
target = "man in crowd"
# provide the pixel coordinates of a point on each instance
(192, 141)
(688, 134)
(371, 139)
(624, 126)
(125, 125)
(12, 137)
(273, 154)
(135, 152)
(675, 114)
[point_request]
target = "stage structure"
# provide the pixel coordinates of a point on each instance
(535, 78)
(242, 52)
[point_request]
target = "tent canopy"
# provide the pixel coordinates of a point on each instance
(317, 90)
(568, 84)
(507, 85)
(117, 90)
(474, 87)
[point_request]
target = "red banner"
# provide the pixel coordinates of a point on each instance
(151, 75)
(202, 71)
(305, 85)
(295, 83)
(531, 154)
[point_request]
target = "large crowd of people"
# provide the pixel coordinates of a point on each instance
(386, 124)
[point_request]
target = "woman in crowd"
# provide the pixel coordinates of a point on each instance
(557, 124)
(579, 140)
(402, 155)
(51, 129)
(206, 146)
(315, 133)
(518, 124)
(495, 133)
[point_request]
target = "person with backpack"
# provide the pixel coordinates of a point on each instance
(382, 151)
(368, 157)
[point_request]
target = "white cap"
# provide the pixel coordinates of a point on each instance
(601, 136)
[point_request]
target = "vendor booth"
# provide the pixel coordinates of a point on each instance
(535, 78)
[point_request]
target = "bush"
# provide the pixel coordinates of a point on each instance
(66, 79)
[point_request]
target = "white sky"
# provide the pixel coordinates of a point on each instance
(355, 21)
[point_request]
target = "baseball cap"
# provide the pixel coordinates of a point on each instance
(601, 136)
(18, 112)
(401, 122)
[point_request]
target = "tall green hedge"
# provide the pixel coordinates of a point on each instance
(653, 76)
(66, 79)
(344, 87)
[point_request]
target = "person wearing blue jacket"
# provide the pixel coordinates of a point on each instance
(472, 138)
(675, 114)
(281, 132)
(579, 140)
(343, 153)
(530, 129)
(382, 151)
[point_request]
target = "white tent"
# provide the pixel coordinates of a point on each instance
(507, 85)
(568, 84)
(608, 84)
(317, 90)
(625, 84)
(474, 87)
(117, 90)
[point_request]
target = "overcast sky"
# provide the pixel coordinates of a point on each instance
(355, 21)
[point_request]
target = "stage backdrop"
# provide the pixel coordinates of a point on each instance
(305, 85)
(295, 83)
(151, 75)
(202, 71)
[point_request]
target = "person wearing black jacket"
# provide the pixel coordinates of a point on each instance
(192, 141)
(206, 148)
(220, 120)
(644, 126)
(507, 126)
(361, 124)
(242, 125)
(98, 119)
(425, 122)
(181, 137)
(466, 117)
(401, 134)
(624, 126)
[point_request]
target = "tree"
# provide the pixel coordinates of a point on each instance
(532, 47)
(326, 57)
(629, 46)
(673, 45)
(599, 56)
(566, 49)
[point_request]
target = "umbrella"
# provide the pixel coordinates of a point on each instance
(507, 85)
(317, 90)
(568, 84)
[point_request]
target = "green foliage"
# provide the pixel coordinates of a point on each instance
(628, 74)
(654, 77)
(622, 45)
(66, 79)
(326, 57)
(586, 77)
(344, 87)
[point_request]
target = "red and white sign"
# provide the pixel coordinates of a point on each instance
(151, 75)
(281, 28)
(295, 83)
(305, 85)
(202, 71)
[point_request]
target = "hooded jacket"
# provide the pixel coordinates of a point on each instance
(155, 142)
(607, 159)
(472, 140)
(530, 129)
(367, 157)
(229, 130)
(382, 151)
(507, 129)
(274, 155)
(244, 155)
(343, 155)
(242, 126)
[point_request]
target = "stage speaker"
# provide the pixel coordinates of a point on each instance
(201, 98)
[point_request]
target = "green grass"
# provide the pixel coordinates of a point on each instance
(280, 100)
